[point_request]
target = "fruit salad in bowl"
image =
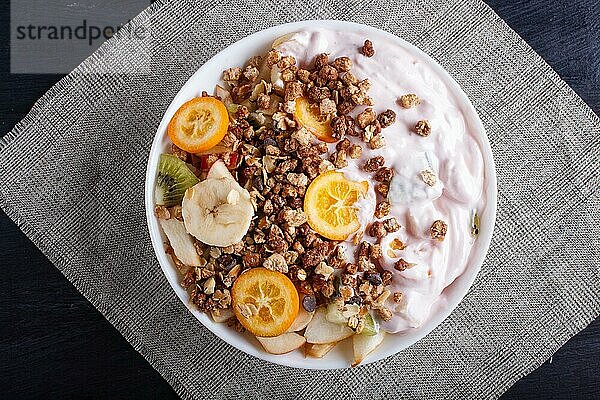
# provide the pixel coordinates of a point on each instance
(328, 193)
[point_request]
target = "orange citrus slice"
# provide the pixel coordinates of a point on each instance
(264, 301)
(199, 124)
(309, 116)
(330, 205)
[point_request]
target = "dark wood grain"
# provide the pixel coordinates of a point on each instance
(54, 344)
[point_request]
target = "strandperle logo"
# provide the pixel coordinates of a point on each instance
(54, 36)
(84, 31)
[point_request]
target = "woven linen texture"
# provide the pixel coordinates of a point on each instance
(72, 177)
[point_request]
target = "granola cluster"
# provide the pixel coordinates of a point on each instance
(279, 162)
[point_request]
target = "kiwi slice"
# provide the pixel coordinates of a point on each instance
(174, 178)
(371, 326)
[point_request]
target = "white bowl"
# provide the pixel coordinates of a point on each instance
(205, 79)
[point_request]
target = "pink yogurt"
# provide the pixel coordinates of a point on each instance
(452, 152)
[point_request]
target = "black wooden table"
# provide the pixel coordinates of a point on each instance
(54, 344)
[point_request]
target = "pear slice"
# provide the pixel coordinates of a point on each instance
(221, 314)
(181, 241)
(302, 319)
(364, 345)
(217, 211)
(318, 350)
(320, 331)
(283, 343)
(219, 171)
(224, 95)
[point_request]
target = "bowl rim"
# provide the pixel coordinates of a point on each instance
(465, 280)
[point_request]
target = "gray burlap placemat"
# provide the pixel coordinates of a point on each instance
(72, 177)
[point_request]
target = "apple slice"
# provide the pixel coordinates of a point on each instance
(302, 319)
(318, 350)
(365, 344)
(282, 344)
(321, 331)
(221, 314)
(181, 241)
